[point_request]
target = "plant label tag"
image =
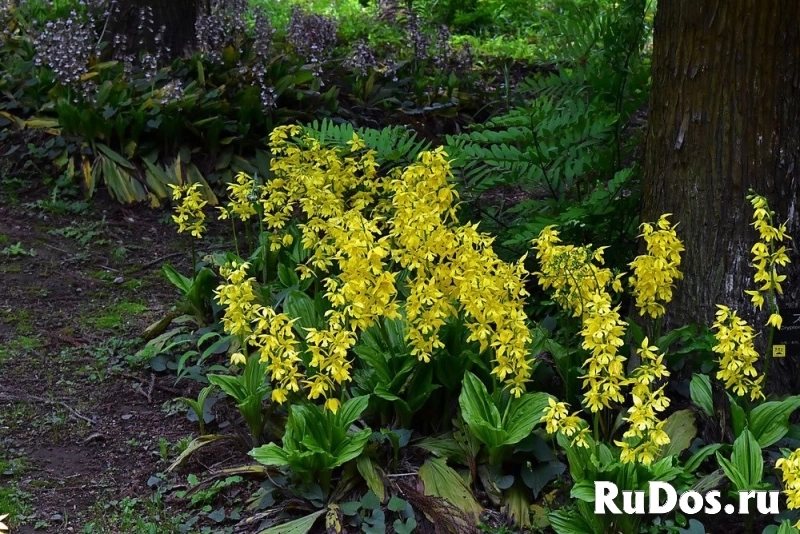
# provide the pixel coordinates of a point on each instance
(787, 340)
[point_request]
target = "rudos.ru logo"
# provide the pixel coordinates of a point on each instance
(3, 526)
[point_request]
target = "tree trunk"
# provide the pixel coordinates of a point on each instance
(176, 17)
(724, 117)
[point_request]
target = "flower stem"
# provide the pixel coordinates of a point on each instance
(768, 354)
(235, 239)
(194, 260)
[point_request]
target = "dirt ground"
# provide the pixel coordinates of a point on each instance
(84, 426)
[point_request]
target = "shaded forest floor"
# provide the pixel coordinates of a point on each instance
(84, 427)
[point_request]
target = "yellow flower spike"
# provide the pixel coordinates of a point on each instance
(790, 474)
(654, 273)
(768, 253)
(189, 215)
(242, 195)
(735, 345)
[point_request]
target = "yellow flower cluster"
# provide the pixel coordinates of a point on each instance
(767, 257)
(647, 403)
(581, 287)
(557, 419)
(333, 194)
(453, 268)
(655, 273)
(258, 326)
(274, 339)
(359, 229)
(790, 471)
(737, 354)
(571, 271)
(237, 297)
(189, 213)
(603, 332)
(241, 194)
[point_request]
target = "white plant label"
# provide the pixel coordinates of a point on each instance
(662, 498)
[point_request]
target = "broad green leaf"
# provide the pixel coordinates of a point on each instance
(747, 459)
(442, 481)
(120, 183)
(565, 521)
(231, 385)
(663, 470)
(537, 477)
(194, 175)
(299, 305)
(480, 412)
(769, 422)
(579, 459)
(370, 501)
(697, 458)
(583, 490)
(738, 418)
(787, 527)
(374, 359)
(178, 280)
(739, 482)
(115, 156)
(287, 276)
(350, 411)
(156, 185)
(371, 474)
(709, 481)
(298, 526)
(406, 527)
(681, 431)
(684, 332)
(396, 504)
(700, 391)
(202, 289)
(524, 413)
(351, 447)
(270, 454)
(385, 394)
(218, 347)
(444, 447)
(311, 424)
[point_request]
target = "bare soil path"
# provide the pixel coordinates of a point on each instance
(83, 426)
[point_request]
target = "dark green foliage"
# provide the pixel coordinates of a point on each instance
(563, 154)
(143, 123)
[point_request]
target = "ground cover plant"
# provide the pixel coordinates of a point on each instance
(332, 274)
(140, 115)
(395, 279)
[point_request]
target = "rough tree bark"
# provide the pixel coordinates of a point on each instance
(725, 117)
(177, 16)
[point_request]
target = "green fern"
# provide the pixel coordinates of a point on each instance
(393, 146)
(546, 146)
